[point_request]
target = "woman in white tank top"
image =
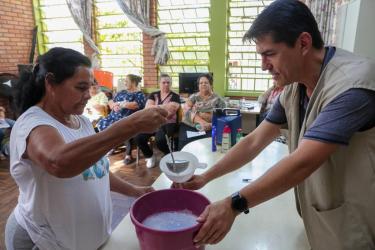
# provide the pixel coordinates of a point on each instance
(58, 161)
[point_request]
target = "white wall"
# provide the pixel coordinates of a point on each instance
(356, 27)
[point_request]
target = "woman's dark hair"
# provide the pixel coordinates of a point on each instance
(164, 75)
(285, 20)
(134, 78)
(61, 63)
(208, 76)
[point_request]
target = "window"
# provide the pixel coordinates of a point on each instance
(57, 26)
(118, 39)
(244, 65)
(186, 23)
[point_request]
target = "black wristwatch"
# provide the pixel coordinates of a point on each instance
(239, 203)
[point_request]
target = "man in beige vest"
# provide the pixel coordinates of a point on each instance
(328, 103)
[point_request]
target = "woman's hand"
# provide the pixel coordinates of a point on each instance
(130, 105)
(207, 116)
(148, 120)
(205, 125)
(139, 190)
(171, 107)
(116, 106)
(217, 220)
(110, 104)
(196, 182)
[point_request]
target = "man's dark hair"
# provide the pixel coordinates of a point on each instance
(285, 20)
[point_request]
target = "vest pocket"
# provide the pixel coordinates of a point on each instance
(340, 228)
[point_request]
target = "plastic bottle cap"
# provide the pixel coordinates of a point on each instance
(227, 129)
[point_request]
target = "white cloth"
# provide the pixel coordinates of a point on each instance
(60, 213)
(4, 124)
(90, 112)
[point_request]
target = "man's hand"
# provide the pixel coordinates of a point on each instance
(217, 220)
(196, 182)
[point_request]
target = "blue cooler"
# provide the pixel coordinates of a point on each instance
(230, 117)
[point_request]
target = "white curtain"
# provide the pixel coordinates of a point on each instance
(82, 13)
(138, 12)
(325, 15)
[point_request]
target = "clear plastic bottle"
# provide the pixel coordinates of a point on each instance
(226, 142)
(243, 103)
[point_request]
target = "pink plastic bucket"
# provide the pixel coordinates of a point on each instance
(163, 201)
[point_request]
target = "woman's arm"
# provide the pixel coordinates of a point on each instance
(205, 116)
(47, 148)
(187, 111)
(129, 105)
(120, 186)
(102, 109)
(150, 103)
(139, 102)
(111, 104)
(171, 107)
(188, 106)
(102, 103)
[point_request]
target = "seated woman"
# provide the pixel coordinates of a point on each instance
(125, 103)
(198, 111)
(5, 129)
(266, 100)
(97, 105)
(170, 101)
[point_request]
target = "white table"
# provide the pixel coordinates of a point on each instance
(249, 117)
(273, 225)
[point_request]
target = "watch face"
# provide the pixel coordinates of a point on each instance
(239, 203)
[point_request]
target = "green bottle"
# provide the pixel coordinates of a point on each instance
(238, 135)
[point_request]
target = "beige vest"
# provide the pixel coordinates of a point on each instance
(338, 200)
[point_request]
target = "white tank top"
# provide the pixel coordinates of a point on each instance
(60, 213)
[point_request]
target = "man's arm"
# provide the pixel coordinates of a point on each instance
(219, 216)
(244, 151)
(289, 172)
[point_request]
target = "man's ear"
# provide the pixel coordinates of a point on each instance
(305, 42)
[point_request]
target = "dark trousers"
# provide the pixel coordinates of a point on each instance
(142, 140)
(128, 145)
(182, 136)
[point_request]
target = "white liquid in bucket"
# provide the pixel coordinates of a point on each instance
(170, 221)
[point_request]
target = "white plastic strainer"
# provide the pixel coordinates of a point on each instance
(187, 173)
